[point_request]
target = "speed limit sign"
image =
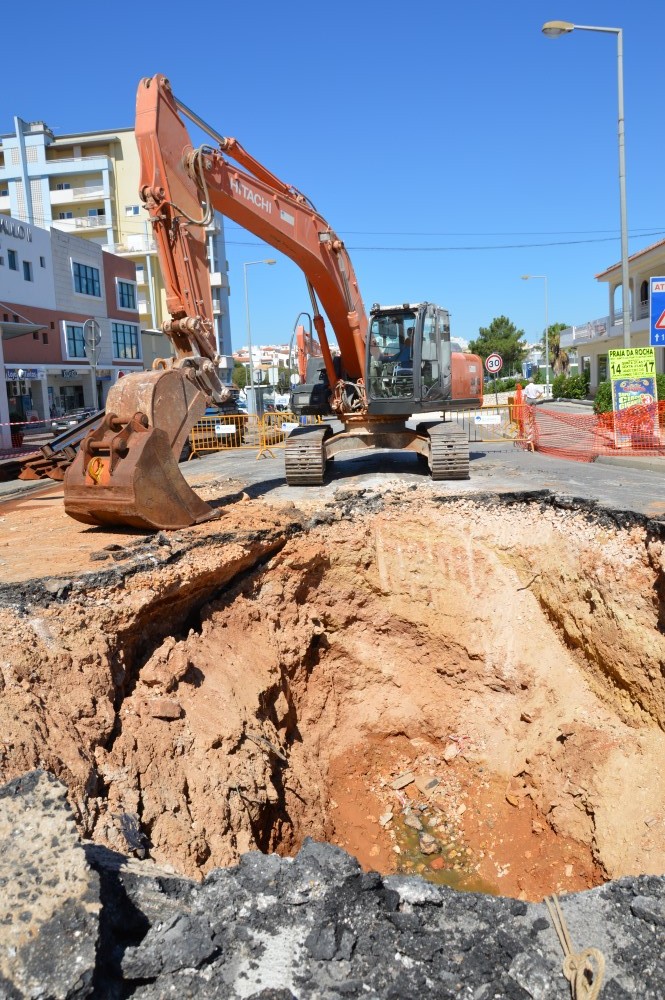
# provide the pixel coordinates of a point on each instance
(494, 363)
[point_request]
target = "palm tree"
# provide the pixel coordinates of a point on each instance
(559, 358)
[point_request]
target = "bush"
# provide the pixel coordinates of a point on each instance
(503, 384)
(571, 387)
(603, 399)
(602, 402)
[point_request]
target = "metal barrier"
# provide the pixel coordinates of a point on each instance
(230, 431)
(495, 424)
(278, 426)
(224, 432)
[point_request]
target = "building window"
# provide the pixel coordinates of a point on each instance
(65, 215)
(35, 335)
(64, 186)
(27, 270)
(4, 192)
(2, 261)
(644, 292)
(125, 341)
(42, 261)
(131, 209)
(45, 337)
(75, 341)
(12, 260)
(86, 280)
(602, 367)
(126, 295)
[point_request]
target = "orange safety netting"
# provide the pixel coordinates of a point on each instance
(639, 430)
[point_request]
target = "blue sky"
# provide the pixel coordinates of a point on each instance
(452, 146)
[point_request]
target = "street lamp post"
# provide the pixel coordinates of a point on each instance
(527, 277)
(553, 29)
(92, 336)
(251, 398)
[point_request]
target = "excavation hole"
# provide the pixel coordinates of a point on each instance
(469, 692)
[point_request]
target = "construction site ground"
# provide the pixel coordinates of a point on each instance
(452, 679)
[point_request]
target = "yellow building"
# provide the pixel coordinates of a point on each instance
(87, 185)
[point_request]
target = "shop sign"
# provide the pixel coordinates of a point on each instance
(21, 374)
(633, 378)
(632, 362)
(69, 373)
(11, 228)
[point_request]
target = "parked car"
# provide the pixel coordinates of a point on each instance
(70, 420)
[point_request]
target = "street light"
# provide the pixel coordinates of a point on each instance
(553, 29)
(92, 337)
(527, 277)
(251, 401)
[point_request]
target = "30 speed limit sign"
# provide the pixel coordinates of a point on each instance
(494, 363)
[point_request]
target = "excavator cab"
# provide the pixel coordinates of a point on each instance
(409, 368)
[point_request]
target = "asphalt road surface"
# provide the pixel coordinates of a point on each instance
(637, 485)
(493, 467)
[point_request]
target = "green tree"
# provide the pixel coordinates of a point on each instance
(502, 337)
(239, 376)
(559, 359)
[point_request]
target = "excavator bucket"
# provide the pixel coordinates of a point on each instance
(126, 470)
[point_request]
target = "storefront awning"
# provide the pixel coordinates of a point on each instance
(16, 327)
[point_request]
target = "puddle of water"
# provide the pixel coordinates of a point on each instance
(452, 865)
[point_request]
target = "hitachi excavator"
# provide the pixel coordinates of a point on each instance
(389, 367)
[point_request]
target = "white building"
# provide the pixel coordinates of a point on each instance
(596, 337)
(54, 290)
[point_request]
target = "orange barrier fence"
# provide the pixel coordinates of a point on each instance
(639, 430)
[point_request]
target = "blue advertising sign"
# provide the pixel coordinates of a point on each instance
(657, 312)
(626, 394)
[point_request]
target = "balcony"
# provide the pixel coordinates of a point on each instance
(134, 246)
(600, 331)
(64, 196)
(86, 223)
(594, 330)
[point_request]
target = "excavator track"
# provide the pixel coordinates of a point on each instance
(305, 457)
(449, 452)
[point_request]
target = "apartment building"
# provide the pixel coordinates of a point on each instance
(69, 325)
(87, 185)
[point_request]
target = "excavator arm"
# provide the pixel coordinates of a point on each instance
(177, 180)
(126, 470)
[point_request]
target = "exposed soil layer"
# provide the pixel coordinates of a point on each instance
(469, 689)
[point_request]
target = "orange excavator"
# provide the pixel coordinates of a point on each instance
(391, 366)
(307, 347)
